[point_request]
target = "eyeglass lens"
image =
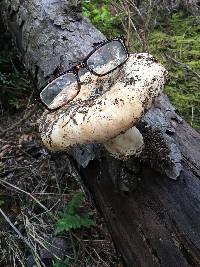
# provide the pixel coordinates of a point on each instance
(59, 91)
(105, 59)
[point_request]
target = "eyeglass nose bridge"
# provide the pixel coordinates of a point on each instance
(76, 70)
(79, 66)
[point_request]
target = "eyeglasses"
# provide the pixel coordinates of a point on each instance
(103, 59)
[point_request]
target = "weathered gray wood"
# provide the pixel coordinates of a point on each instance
(49, 34)
(154, 221)
(158, 223)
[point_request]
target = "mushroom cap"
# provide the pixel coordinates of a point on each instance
(106, 106)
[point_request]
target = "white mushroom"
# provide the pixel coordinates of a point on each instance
(106, 108)
(124, 145)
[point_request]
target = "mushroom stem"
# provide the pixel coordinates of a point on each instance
(126, 144)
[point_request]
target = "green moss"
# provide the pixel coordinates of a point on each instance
(180, 40)
(100, 15)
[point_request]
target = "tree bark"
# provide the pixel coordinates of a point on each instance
(153, 220)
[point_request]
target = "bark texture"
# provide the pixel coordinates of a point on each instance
(50, 35)
(154, 220)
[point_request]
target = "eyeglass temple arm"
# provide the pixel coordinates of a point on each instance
(98, 43)
(101, 42)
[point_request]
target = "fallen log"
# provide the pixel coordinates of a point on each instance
(153, 220)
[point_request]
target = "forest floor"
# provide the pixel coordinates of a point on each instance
(35, 186)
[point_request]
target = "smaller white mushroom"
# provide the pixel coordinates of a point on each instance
(106, 107)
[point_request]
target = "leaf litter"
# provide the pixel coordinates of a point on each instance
(35, 187)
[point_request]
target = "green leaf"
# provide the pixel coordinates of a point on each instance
(70, 219)
(73, 222)
(75, 202)
(99, 14)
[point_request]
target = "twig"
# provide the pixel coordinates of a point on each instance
(15, 229)
(182, 64)
(19, 234)
(27, 193)
(26, 116)
(183, 36)
(32, 233)
(14, 248)
(192, 115)
(100, 257)
(132, 3)
(121, 7)
(84, 248)
(73, 245)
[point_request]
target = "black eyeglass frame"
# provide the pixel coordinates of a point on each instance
(83, 64)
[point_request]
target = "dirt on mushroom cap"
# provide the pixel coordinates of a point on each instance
(104, 115)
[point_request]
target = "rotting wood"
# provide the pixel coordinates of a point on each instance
(155, 221)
